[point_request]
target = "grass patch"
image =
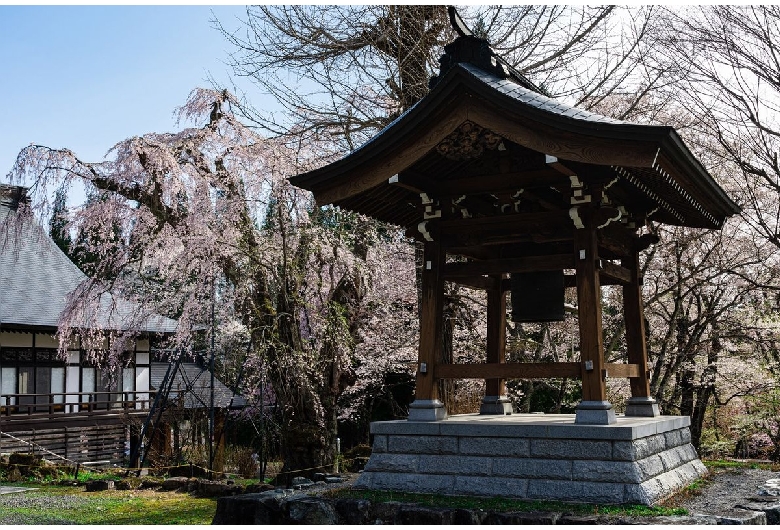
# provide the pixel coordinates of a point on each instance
(735, 464)
(696, 486)
(132, 507)
(500, 504)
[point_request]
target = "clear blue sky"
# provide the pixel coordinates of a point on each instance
(85, 77)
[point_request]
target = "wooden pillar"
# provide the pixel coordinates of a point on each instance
(218, 465)
(594, 408)
(640, 403)
(135, 446)
(426, 405)
(495, 400)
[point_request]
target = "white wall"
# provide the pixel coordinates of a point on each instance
(15, 340)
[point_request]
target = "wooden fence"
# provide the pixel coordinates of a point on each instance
(89, 443)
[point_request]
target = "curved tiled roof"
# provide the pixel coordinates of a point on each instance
(660, 165)
(535, 99)
(36, 277)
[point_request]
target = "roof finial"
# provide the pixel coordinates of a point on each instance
(466, 48)
(475, 49)
(457, 23)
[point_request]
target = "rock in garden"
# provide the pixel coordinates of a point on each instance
(174, 483)
(100, 485)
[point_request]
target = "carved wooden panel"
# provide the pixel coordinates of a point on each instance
(467, 142)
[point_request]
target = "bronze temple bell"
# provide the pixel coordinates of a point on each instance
(537, 296)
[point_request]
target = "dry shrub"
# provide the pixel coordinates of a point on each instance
(241, 460)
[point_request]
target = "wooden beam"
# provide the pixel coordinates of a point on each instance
(495, 183)
(619, 275)
(483, 283)
(473, 252)
(528, 370)
(537, 227)
(499, 266)
(620, 370)
(404, 180)
(520, 223)
(560, 167)
(617, 239)
(491, 240)
(508, 371)
(645, 241)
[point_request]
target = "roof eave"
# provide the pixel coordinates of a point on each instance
(462, 85)
(675, 148)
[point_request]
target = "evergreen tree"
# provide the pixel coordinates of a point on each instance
(59, 220)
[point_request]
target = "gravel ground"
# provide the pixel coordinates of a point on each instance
(33, 500)
(726, 489)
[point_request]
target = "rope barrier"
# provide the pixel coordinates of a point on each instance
(40, 448)
(157, 469)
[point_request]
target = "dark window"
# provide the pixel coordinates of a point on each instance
(47, 356)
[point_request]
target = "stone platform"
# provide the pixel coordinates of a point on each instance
(532, 456)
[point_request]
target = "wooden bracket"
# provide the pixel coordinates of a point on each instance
(574, 214)
(423, 229)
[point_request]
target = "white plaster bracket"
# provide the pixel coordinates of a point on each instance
(430, 213)
(623, 214)
(423, 229)
(579, 198)
(651, 212)
(578, 191)
(517, 195)
(574, 214)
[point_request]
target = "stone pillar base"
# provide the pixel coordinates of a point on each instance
(495, 405)
(595, 413)
(427, 410)
(643, 407)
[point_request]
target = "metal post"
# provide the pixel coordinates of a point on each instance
(338, 455)
(211, 369)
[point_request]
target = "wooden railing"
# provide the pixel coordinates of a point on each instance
(63, 403)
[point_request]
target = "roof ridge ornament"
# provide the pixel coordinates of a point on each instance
(457, 23)
(468, 48)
